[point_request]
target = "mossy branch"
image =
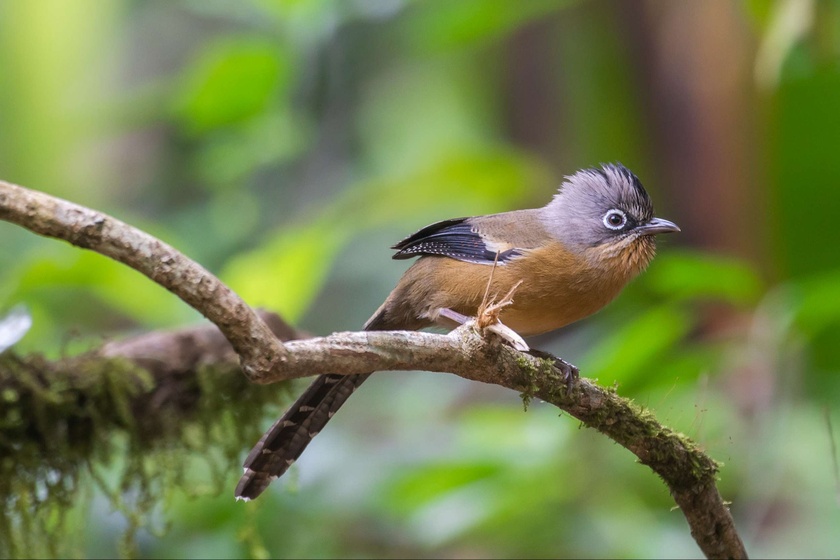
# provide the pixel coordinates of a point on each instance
(129, 402)
(688, 472)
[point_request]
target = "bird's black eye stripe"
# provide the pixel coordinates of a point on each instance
(615, 219)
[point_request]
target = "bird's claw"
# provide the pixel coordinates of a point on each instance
(570, 372)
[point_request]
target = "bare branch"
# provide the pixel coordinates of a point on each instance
(188, 348)
(259, 350)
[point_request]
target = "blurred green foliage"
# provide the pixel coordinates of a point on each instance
(285, 144)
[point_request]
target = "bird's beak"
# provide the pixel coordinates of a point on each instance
(657, 225)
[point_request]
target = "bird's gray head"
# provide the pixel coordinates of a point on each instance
(605, 213)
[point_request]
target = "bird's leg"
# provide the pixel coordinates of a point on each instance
(570, 372)
(456, 318)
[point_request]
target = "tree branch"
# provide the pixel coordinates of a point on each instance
(259, 350)
(148, 386)
(688, 472)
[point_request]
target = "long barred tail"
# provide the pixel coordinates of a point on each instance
(283, 443)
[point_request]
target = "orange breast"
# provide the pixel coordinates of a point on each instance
(558, 288)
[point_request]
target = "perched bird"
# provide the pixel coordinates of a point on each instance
(572, 257)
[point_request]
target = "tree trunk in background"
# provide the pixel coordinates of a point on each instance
(697, 96)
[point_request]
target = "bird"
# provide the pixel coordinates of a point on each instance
(567, 260)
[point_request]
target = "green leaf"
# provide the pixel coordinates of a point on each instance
(119, 286)
(225, 161)
(636, 345)
(445, 25)
(463, 182)
(818, 305)
(287, 272)
(424, 485)
(231, 81)
(690, 275)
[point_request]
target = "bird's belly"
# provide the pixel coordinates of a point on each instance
(557, 289)
(532, 316)
(551, 292)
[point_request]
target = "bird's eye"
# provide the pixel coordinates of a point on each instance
(615, 219)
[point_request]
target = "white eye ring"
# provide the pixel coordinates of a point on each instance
(612, 213)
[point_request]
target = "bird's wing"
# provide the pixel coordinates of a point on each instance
(475, 240)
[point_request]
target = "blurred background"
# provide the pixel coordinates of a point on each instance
(285, 144)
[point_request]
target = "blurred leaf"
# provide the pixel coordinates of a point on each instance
(818, 304)
(286, 273)
(232, 80)
(418, 113)
(805, 130)
(467, 182)
(51, 65)
(788, 22)
(605, 74)
(627, 353)
(422, 486)
(313, 20)
(271, 137)
(121, 287)
(689, 275)
(445, 25)
(760, 10)
(688, 363)
(507, 433)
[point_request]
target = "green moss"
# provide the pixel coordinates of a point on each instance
(65, 424)
(531, 375)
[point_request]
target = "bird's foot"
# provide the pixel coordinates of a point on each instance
(569, 371)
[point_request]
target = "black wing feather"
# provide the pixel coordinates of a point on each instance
(454, 238)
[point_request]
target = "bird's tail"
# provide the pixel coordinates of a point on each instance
(283, 443)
